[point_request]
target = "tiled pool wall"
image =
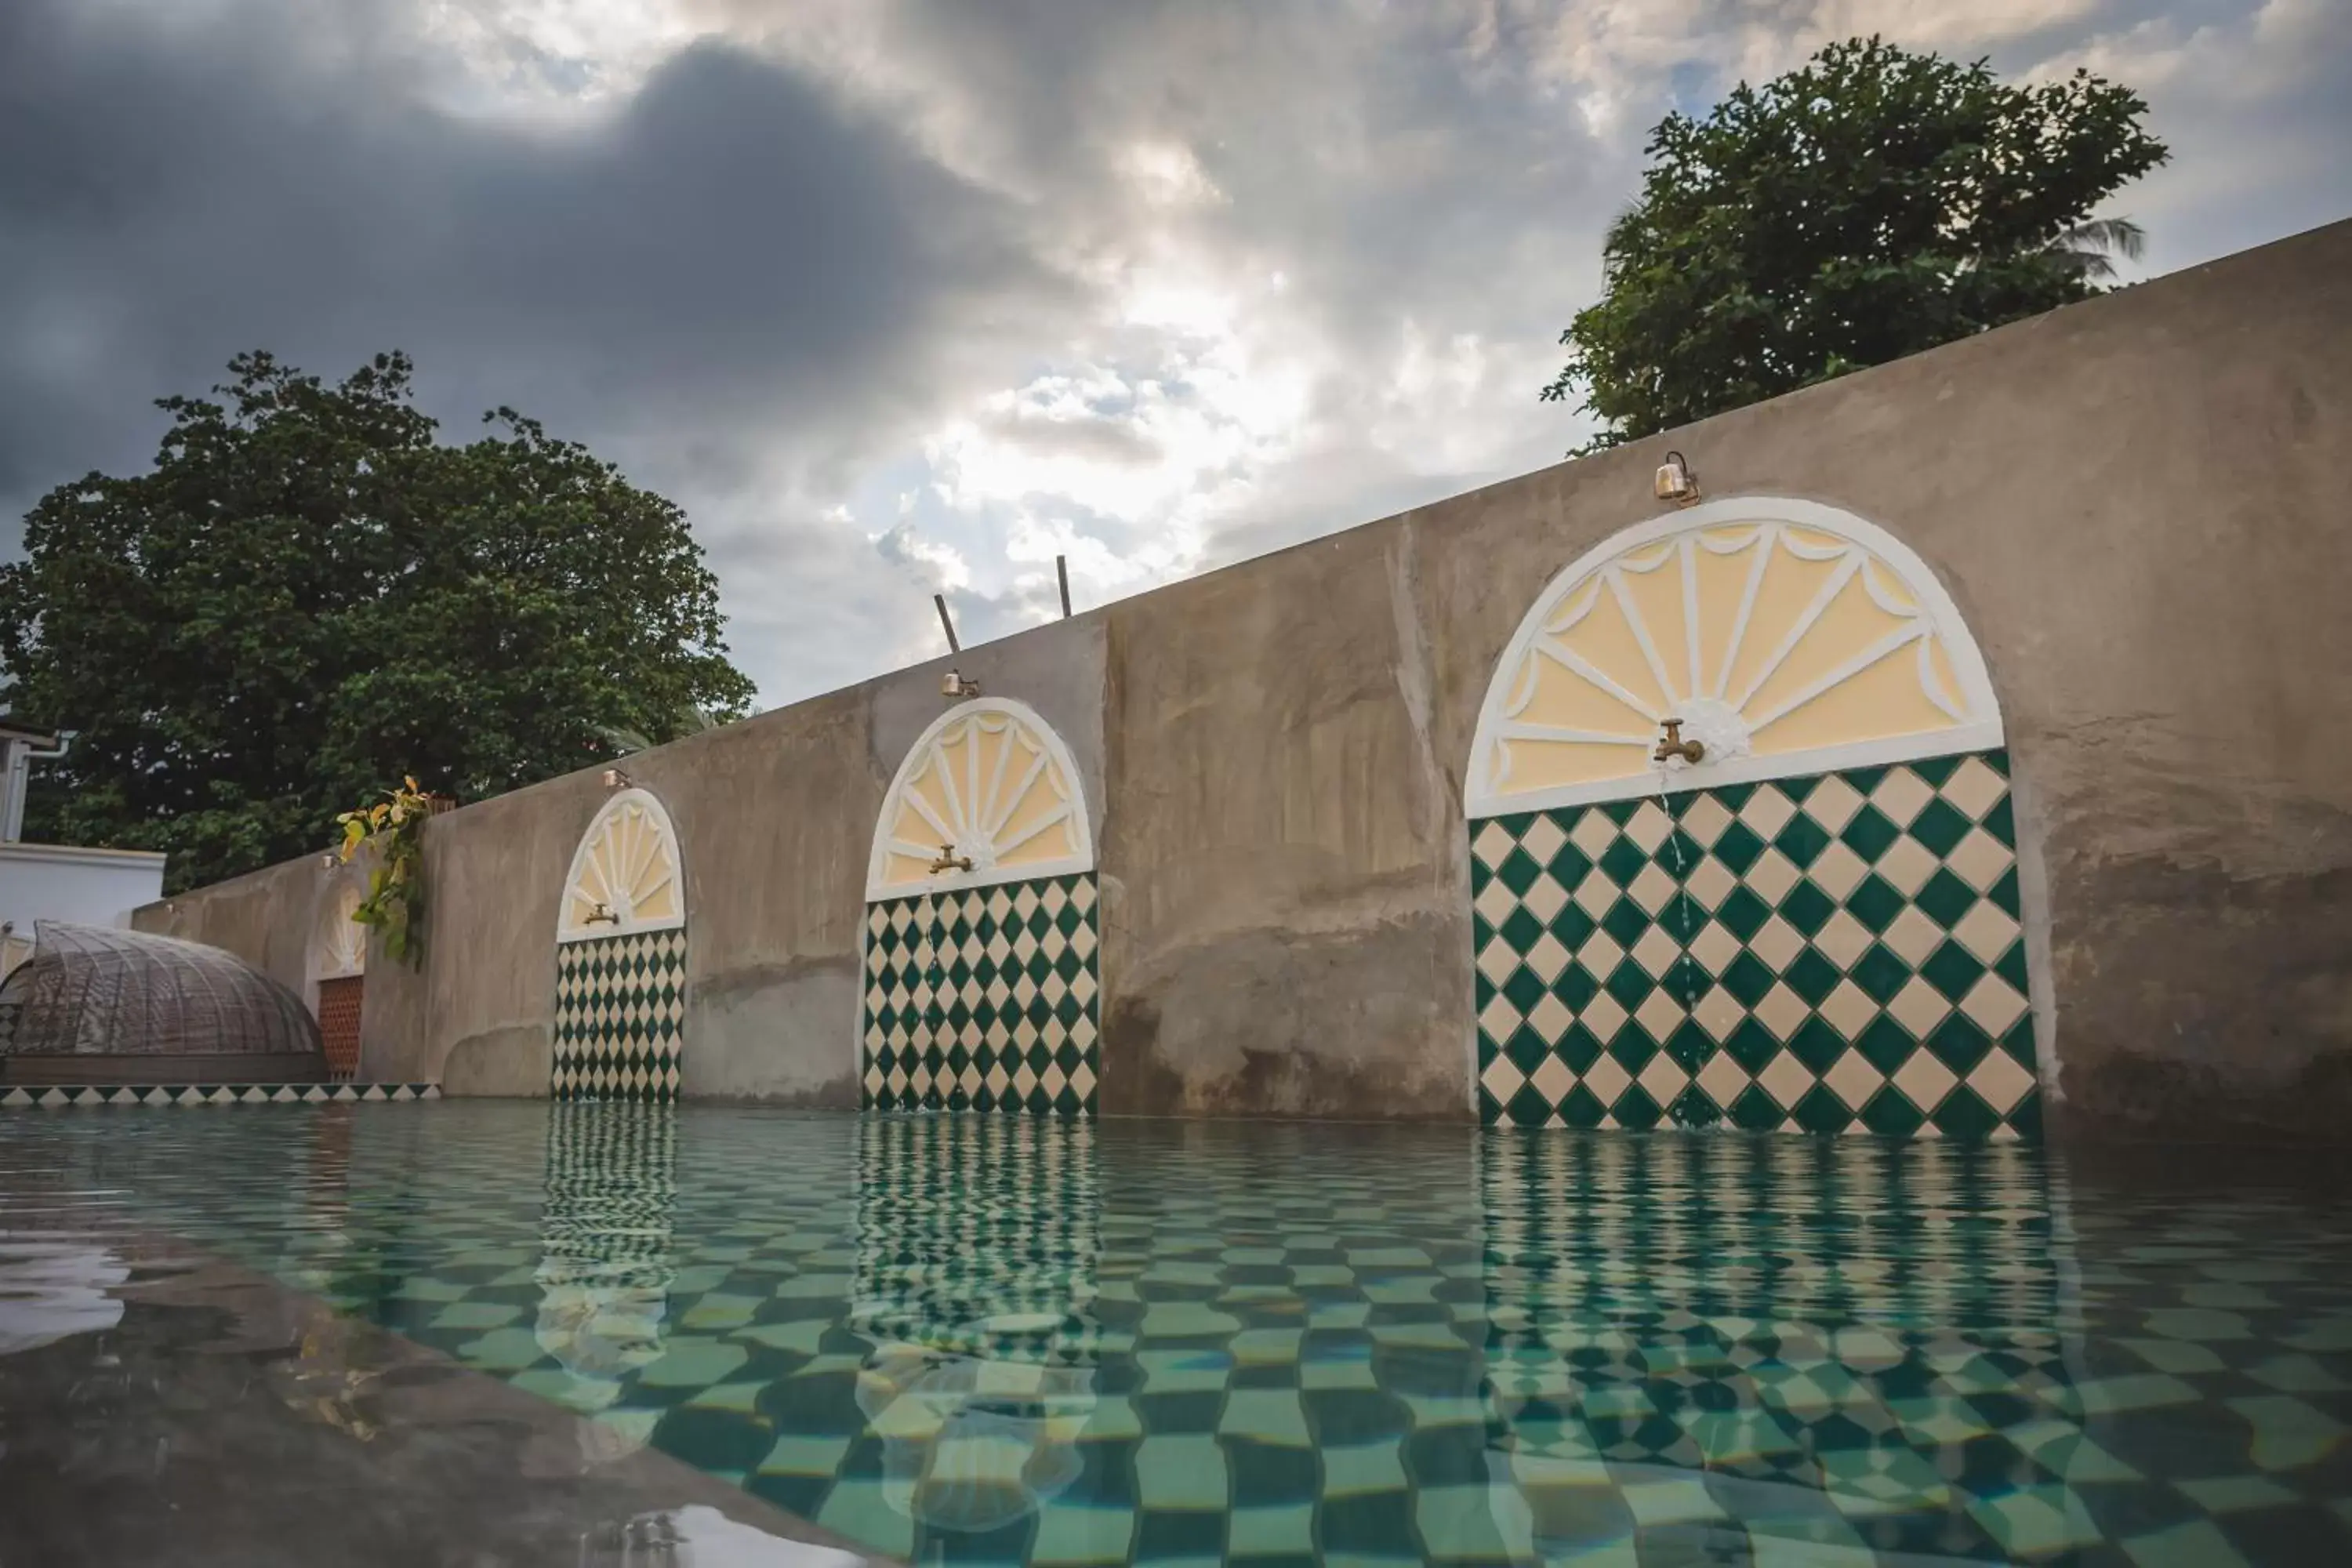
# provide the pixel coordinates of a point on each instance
(984, 999)
(620, 1017)
(1833, 953)
(1277, 763)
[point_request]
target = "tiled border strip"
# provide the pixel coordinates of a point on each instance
(66, 1096)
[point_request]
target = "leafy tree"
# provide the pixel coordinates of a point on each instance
(1867, 205)
(309, 597)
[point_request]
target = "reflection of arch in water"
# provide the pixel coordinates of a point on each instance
(1779, 1319)
(977, 1241)
(604, 1238)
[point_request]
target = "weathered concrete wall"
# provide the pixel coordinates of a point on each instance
(2141, 504)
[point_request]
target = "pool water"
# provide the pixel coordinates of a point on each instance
(994, 1340)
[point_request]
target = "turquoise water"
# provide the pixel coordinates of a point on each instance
(969, 1339)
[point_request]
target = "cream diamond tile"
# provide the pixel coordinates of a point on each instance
(1082, 1033)
(1024, 1079)
(1713, 947)
(1545, 898)
(1648, 826)
(1546, 957)
(1832, 803)
(1837, 870)
(2000, 1081)
(1550, 1018)
(1024, 904)
(1986, 931)
(1600, 955)
(969, 1079)
(1055, 900)
(878, 919)
(1704, 819)
(1596, 895)
(1084, 895)
(1911, 936)
(998, 1079)
(1992, 1003)
(1602, 1017)
(1494, 903)
(1082, 941)
(1781, 1011)
(1592, 834)
(1543, 839)
(1082, 1078)
(1900, 795)
(1502, 1080)
(1767, 812)
(1718, 1012)
(1498, 1018)
(1919, 1007)
(1784, 1077)
(1853, 1080)
(898, 1079)
(1607, 1077)
(1662, 1078)
(1843, 939)
(1656, 951)
(1660, 1014)
(1000, 904)
(1777, 943)
(1906, 866)
(1492, 844)
(1496, 961)
(1975, 788)
(1772, 875)
(1084, 987)
(1722, 1080)
(1849, 1009)
(1652, 888)
(874, 1080)
(1924, 1080)
(1980, 859)
(1710, 882)
(1052, 1080)
(1552, 1079)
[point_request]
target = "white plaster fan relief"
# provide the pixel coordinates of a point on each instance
(342, 946)
(987, 796)
(1783, 638)
(625, 876)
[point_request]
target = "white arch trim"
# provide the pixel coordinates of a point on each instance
(1930, 635)
(340, 950)
(628, 863)
(1006, 781)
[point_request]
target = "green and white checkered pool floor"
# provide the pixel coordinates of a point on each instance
(975, 1338)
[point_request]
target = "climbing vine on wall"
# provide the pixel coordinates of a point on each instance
(394, 829)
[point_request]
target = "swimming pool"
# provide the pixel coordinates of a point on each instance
(1001, 1340)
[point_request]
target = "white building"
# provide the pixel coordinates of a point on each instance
(56, 881)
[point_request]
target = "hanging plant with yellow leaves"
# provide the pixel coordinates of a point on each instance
(394, 829)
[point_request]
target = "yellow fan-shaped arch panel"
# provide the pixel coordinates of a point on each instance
(988, 795)
(1783, 636)
(343, 940)
(626, 875)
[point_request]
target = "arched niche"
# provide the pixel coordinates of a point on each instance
(1787, 637)
(983, 977)
(1813, 924)
(989, 782)
(625, 876)
(620, 957)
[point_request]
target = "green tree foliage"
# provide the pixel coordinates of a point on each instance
(309, 597)
(1870, 204)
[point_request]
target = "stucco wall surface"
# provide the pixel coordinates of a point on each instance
(2141, 505)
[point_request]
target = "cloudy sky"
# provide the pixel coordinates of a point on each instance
(897, 295)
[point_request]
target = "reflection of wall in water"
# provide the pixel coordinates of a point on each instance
(1873, 1327)
(977, 1240)
(604, 1237)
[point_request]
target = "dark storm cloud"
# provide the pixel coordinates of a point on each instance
(736, 248)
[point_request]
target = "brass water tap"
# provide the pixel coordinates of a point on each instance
(950, 860)
(1673, 745)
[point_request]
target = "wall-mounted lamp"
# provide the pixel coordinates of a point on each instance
(954, 684)
(615, 779)
(1675, 482)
